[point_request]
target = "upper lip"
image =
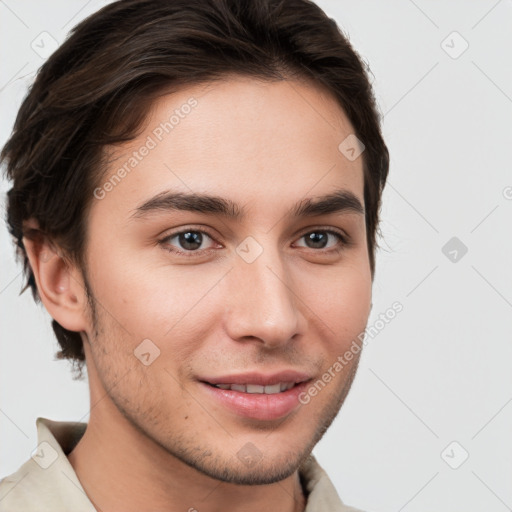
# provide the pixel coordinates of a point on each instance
(259, 378)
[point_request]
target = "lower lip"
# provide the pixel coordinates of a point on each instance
(259, 406)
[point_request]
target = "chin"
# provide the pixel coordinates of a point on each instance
(259, 474)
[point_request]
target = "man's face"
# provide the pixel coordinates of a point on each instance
(262, 294)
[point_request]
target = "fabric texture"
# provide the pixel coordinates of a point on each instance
(48, 483)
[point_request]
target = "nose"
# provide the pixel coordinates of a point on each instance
(263, 303)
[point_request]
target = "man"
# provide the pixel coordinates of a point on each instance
(196, 190)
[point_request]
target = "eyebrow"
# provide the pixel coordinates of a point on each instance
(339, 201)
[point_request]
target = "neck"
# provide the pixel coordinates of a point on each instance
(122, 469)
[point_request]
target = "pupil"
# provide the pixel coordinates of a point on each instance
(191, 240)
(317, 238)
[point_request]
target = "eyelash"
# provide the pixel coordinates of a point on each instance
(344, 239)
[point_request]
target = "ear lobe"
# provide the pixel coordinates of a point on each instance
(59, 285)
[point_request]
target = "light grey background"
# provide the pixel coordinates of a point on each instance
(440, 371)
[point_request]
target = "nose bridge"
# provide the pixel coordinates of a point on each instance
(264, 304)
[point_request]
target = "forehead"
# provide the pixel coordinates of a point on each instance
(241, 138)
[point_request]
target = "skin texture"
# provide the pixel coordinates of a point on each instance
(155, 439)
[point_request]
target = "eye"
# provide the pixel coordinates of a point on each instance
(190, 240)
(318, 239)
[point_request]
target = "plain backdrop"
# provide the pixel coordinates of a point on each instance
(427, 423)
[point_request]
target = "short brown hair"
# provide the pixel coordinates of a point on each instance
(96, 89)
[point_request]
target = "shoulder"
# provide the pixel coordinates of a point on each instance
(16, 489)
(46, 482)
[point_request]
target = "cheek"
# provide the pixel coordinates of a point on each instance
(342, 303)
(157, 302)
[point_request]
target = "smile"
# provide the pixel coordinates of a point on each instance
(256, 388)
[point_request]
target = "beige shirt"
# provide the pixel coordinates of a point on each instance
(48, 483)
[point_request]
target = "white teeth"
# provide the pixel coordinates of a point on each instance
(256, 388)
(271, 390)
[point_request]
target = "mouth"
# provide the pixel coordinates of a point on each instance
(257, 396)
(256, 388)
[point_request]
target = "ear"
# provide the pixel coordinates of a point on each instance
(60, 285)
